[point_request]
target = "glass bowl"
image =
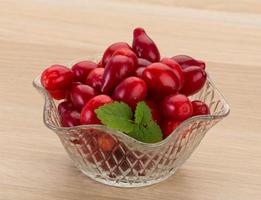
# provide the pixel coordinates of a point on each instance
(131, 163)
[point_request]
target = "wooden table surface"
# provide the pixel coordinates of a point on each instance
(37, 33)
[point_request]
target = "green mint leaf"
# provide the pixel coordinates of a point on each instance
(142, 113)
(148, 134)
(116, 115)
(145, 130)
(152, 133)
(136, 132)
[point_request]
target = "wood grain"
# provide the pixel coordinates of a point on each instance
(248, 6)
(37, 33)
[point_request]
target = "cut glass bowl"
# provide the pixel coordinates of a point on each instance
(132, 163)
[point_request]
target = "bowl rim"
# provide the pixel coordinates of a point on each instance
(48, 100)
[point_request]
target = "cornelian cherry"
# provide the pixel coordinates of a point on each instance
(81, 94)
(187, 61)
(195, 78)
(57, 77)
(129, 53)
(176, 69)
(65, 106)
(168, 126)
(118, 68)
(88, 115)
(70, 118)
(82, 69)
(95, 78)
(58, 94)
(161, 80)
(106, 142)
(176, 107)
(131, 91)
(68, 93)
(144, 46)
(200, 108)
(111, 49)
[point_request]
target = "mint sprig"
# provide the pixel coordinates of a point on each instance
(142, 113)
(118, 116)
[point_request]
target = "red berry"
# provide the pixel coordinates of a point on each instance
(176, 69)
(106, 142)
(168, 127)
(70, 118)
(131, 91)
(139, 71)
(187, 61)
(58, 94)
(144, 46)
(81, 94)
(111, 49)
(195, 78)
(129, 53)
(161, 80)
(143, 62)
(154, 110)
(64, 107)
(68, 94)
(176, 107)
(82, 69)
(200, 108)
(118, 68)
(95, 78)
(56, 77)
(88, 115)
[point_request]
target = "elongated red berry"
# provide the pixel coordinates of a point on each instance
(70, 118)
(88, 115)
(58, 94)
(65, 106)
(106, 142)
(144, 46)
(131, 91)
(118, 68)
(161, 80)
(82, 69)
(111, 49)
(95, 78)
(168, 126)
(176, 69)
(186, 61)
(200, 108)
(176, 107)
(195, 79)
(57, 77)
(81, 94)
(129, 53)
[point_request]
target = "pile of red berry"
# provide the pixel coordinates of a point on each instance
(131, 75)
